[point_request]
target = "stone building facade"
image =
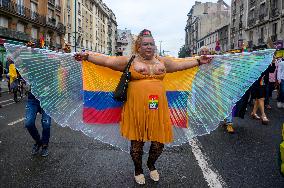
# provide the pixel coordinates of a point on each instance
(30, 20)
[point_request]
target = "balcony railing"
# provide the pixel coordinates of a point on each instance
(274, 38)
(9, 33)
(22, 11)
(51, 2)
(261, 17)
(58, 7)
(79, 29)
(252, 3)
(275, 12)
(51, 21)
(260, 41)
(60, 27)
(251, 22)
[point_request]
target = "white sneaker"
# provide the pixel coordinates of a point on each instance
(279, 105)
(140, 179)
(154, 175)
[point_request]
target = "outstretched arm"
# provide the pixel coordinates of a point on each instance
(187, 63)
(115, 63)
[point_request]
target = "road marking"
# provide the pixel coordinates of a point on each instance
(18, 121)
(5, 101)
(8, 104)
(212, 177)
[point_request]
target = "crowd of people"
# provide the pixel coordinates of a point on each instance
(153, 124)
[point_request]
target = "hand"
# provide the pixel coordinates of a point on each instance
(81, 56)
(205, 59)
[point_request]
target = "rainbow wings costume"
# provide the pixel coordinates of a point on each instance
(79, 95)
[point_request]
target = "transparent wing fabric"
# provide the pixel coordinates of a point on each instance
(56, 80)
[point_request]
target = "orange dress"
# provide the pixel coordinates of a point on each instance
(145, 114)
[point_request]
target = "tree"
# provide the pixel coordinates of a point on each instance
(183, 52)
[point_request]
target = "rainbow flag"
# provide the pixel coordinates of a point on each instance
(99, 107)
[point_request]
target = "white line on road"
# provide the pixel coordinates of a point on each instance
(6, 101)
(8, 104)
(212, 177)
(18, 121)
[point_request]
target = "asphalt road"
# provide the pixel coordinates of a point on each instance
(248, 158)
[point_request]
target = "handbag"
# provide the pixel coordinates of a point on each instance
(120, 93)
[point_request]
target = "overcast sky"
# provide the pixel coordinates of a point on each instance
(165, 18)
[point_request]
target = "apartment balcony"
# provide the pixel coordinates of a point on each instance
(21, 11)
(252, 3)
(240, 25)
(51, 21)
(58, 7)
(260, 41)
(60, 28)
(123, 41)
(14, 35)
(251, 22)
(234, 12)
(275, 12)
(79, 29)
(261, 17)
(52, 2)
(274, 38)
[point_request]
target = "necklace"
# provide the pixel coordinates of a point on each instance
(153, 61)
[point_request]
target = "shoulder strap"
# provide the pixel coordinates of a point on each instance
(129, 63)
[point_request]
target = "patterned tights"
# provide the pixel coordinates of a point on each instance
(136, 152)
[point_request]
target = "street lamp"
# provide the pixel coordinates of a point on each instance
(160, 47)
(75, 25)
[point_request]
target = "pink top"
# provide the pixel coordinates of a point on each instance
(272, 76)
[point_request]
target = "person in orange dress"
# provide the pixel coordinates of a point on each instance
(145, 114)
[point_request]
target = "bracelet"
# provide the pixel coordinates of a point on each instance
(198, 61)
(85, 57)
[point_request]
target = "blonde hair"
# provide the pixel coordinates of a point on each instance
(137, 42)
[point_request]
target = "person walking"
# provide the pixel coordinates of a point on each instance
(32, 108)
(280, 80)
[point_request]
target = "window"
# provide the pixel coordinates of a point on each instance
(3, 22)
(57, 39)
(69, 19)
(69, 37)
(274, 28)
(262, 9)
(20, 4)
(87, 43)
(33, 7)
(34, 33)
(68, 3)
(79, 22)
(57, 19)
(57, 2)
(20, 27)
(50, 13)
